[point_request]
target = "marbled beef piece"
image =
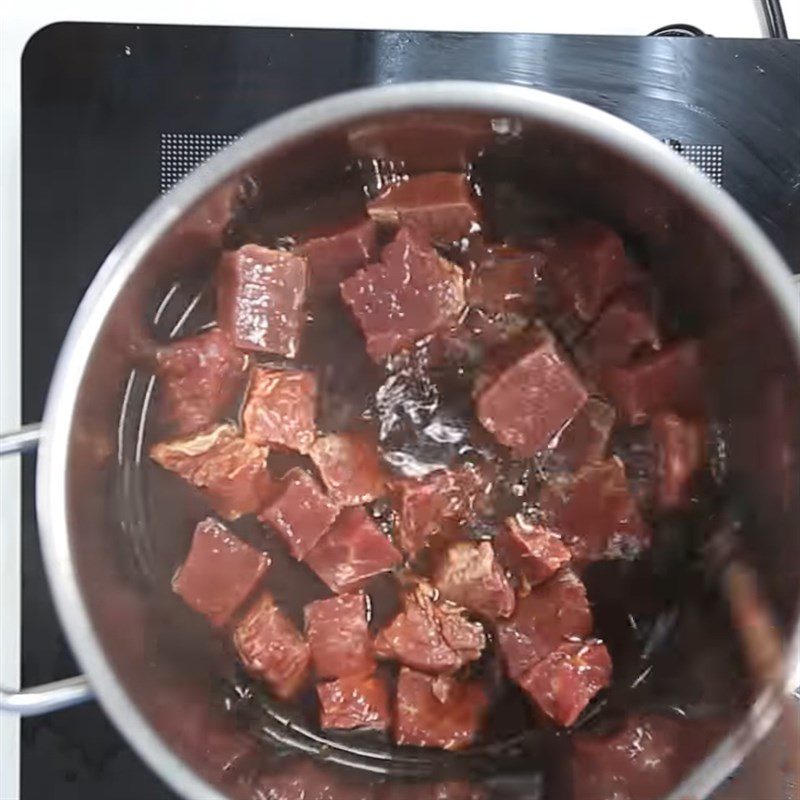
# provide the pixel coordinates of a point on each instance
(260, 297)
(438, 205)
(351, 552)
(356, 701)
(680, 448)
(552, 614)
(584, 439)
(596, 513)
(409, 294)
(430, 635)
(563, 683)
(525, 399)
(350, 466)
(531, 550)
(198, 379)
(271, 648)
(280, 408)
(437, 711)
(300, 511)
(505, 279)
(336, 629)
(219, 572)
(230, 471)
(467, 573)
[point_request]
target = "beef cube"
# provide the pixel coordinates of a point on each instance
(439, 205)
(552, 614)
(468, 574)
(410, 293)
(596, 514)
(584, 439)
(260, 296)
(587, 263)
(280, 407)
(531, 399)
(352, 552)
(300, 511)
(230, 471)
(437, 711)
(356, 701)
(199, 378)
(219, 572)
(350, 466)
(271, 648)
(563, 683)
(505, 279)
(670, 380)
(336, 629)
(680, 446)
(532, 551)
(335, 255)
(430, 636)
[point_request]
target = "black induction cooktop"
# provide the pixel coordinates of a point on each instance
(114, 114)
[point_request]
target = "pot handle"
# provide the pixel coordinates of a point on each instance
(49, 696)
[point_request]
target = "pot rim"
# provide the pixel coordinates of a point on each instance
(602, 128)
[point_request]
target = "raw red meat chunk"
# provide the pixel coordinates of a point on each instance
(431, 636)
(585, 438)
(437, 711)
(533, 551)
(219, 573)
(531, 399)
(596, 513)
(356, 701)
(351, 552)
(680, 446)
(551, 615)
(564, 682)
(280, 408)
(230, 471)
(410, 293)
(350, 466)
(588, 264)
(335, 255)
(670, 380)
(336, 629)
(271, 647)
(439, 205)
(260, 296)
(505, 279)
(300, 511)
(199, 378)
(468, 574)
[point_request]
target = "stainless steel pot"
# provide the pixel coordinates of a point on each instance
(715, 266)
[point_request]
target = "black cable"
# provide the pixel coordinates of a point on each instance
(776, 24)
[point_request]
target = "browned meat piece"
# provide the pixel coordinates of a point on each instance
(271, 648)
(563, 683)
(357, 701)
(596, 513)
(532, 551)
(230, 471)
(437, 711)
(584, 439)
(335, 255)
(526, 402)
(260, 296)
(219, 572)
(410, 293)
(439, 205)
(198, 379)
(468, 574)
(352, 552)
(552, 614)
(300, 511)
(680, 446)
(350, 466)
(280, 407)
(336, 629)
(431, 636)
(505, 279)
(670, 380)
